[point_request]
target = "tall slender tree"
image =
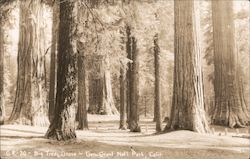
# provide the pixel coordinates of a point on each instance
(128, 73)
(134, 107)
(122, 99)
(157, 101)
(54, 42)
(81, 115)
(62, 126)
(82, 106)
(230, 106)
(188, 102)
(30, 100)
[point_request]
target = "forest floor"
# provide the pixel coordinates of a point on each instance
(105, 141)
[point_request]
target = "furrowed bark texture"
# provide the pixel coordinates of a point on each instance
(30, 101)
(230, 106)
(188, 102)
(62, 126)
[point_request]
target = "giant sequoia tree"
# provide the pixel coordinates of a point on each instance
(230, 106)
(100, 88)
(62, 126)
(188, 105)
(30, 100)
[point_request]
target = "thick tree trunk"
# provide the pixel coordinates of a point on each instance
(30, 101)
(62, 126)
(109, 105)
(134, 116)
(128, 74)
(38, 86)
(22, 104)
(188, 102)
(230, 106)
(100, 90)
(157, 103)
(122, 99)
(2, 110)
(53, 61)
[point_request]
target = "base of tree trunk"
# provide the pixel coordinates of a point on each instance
(122, 127)
(82, 127)
(59, 134)
(1, 121)
(235, 121)
(21, 121)
(61, 131)
(154, 120)
(231, 114)
(134, 127)
(42, 121)
(128, 125)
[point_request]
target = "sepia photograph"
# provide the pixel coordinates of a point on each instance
(125, 79)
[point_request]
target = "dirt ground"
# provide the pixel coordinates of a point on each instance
(104, 141)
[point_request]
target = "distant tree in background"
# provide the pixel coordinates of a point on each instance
(81, 115)
(128, 73)
(157, 106)
(187, 111)
(134, 107)
(122, 99)
(230, 104)
(100, 88)
(54, 41)
(99, 83)
(62, 126)
(82, 106)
